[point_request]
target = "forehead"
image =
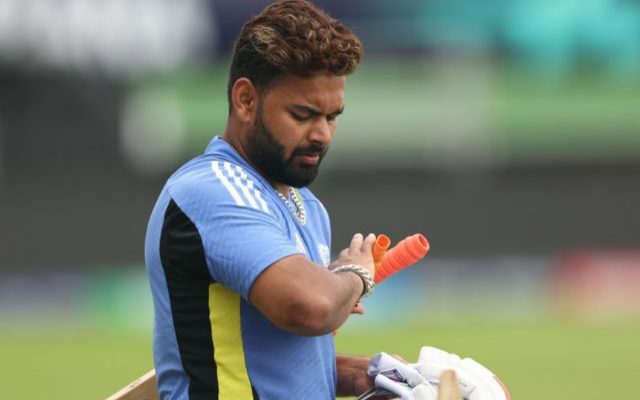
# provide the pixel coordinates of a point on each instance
(323, 91)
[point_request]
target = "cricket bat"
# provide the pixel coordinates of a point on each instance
(449, 389)
(143, 388)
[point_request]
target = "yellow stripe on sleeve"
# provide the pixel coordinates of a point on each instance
(224, 315)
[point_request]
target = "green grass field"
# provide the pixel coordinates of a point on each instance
(550, 360)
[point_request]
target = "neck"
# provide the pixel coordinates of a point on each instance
(281, 188)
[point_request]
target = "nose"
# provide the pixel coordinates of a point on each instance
(322, 132)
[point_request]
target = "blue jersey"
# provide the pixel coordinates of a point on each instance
(215, 227)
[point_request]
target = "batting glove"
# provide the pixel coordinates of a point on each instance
(476, 381)
(393, 377)
(420, 381)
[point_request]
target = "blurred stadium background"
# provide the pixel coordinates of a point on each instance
(508, 132)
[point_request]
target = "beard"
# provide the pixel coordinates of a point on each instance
(268, 155)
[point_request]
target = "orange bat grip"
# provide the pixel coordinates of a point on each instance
(405, 253)
(380, 248)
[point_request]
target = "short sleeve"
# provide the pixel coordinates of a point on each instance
(240, 230)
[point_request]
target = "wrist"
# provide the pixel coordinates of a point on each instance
(365, 276)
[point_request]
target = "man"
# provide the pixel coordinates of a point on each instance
(237, 248)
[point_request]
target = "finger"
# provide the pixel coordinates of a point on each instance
(357, 240)
(367, 244)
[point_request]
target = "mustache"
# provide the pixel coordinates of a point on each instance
(312, 149)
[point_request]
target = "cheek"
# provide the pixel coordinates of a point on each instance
(289, 132)
(333, 126)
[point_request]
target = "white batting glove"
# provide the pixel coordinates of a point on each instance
(392, 376)
(419, 381)
(476, 381)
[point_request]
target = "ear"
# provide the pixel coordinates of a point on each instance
(244, 98)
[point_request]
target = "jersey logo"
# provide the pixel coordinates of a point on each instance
(300, 245)
(325, 254)
(239, 185)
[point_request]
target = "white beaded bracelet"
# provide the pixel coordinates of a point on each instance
(363, 273)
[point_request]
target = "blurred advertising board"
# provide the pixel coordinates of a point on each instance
(601, 284)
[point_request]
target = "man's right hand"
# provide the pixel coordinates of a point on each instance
(358, 252)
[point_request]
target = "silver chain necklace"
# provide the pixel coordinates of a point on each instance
(295, 205)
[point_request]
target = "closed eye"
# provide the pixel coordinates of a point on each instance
(332, 117)
(300, 116)
(303, 113)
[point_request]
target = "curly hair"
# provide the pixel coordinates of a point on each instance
(292, 37)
